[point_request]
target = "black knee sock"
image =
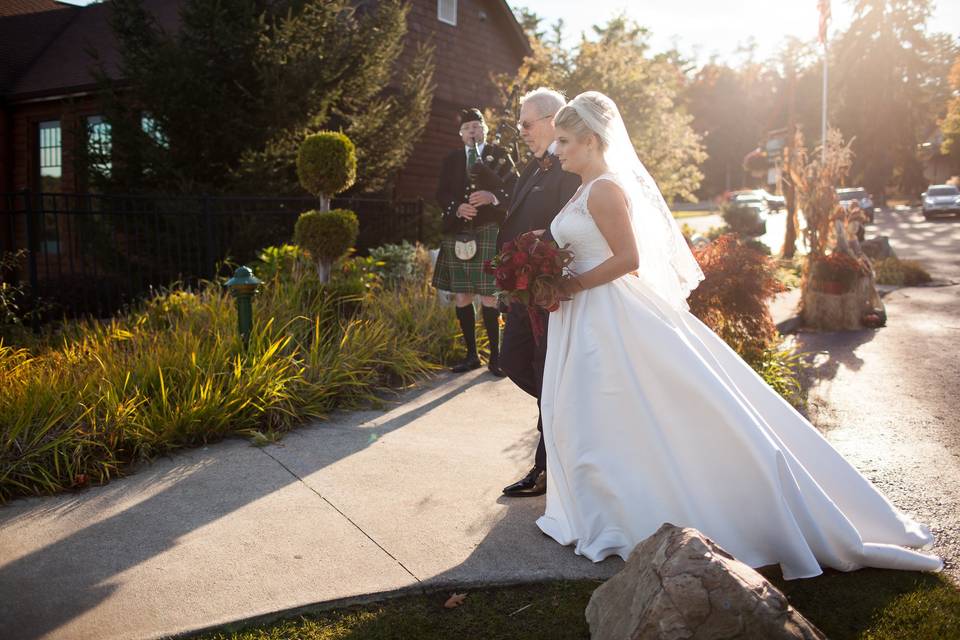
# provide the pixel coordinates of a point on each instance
(468, 320)
(491, 322)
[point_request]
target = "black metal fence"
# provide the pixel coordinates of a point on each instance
(91, 253)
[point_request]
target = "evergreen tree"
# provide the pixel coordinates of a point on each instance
(223, 104)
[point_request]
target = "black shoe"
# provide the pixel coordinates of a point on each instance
(532, 484)
(469, 364)
(495, 369)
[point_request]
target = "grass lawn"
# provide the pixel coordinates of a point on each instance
(679, 215)
(870, 604)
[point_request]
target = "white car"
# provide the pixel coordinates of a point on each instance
(939, 199)
(762, 196)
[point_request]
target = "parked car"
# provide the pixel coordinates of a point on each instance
(769, 200)
(940, 199)
(847, 195)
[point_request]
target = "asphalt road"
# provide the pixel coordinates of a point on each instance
(888, 398)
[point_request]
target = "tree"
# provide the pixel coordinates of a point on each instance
(950, 125)
(646, 88)
(884, 87)
(223, 104)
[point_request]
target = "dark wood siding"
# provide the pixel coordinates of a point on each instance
(467, 56)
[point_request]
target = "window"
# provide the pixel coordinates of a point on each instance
(447, 11)
(50, 180)
(152, 128)
(99, 145)
(49, 148)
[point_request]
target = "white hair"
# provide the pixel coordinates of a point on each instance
(547, 101)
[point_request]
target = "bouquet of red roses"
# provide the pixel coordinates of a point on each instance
(529, 270)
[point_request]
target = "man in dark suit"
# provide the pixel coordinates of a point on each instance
(541, 191)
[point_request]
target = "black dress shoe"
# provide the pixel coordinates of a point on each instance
(532, 484)
(467, 365)
(495, 369)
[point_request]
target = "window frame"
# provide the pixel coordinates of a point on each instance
(440, 15)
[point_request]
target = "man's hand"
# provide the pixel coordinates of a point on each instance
(480, 198)
(467, 211)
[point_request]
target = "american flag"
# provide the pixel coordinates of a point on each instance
(824, 7)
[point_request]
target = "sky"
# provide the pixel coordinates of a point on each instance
(700, 28)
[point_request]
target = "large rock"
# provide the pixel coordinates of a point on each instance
(878, 248)
(680, 584)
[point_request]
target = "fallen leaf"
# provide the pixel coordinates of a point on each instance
(455, 600)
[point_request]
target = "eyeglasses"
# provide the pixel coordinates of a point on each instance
(523, 124)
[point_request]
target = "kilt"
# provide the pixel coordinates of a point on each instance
(467, 276)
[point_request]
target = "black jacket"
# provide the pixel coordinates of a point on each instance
(537, 199)
(454, 187)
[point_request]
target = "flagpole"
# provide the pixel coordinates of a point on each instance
(823, 119)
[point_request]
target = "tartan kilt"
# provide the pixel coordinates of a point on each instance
(467, 276)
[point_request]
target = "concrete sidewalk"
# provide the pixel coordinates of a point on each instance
(368, 503)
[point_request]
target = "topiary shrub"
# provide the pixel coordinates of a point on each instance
(327, 165)
(327, 236)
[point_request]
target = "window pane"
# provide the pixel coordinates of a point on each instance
(152, 128)
(99, 145)
(447, 11)
(49, 147)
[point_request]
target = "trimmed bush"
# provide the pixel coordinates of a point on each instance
(327, 163)
(901, 273)
(326, 235)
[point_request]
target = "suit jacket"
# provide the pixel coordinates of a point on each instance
(537, 199)
(454, 187)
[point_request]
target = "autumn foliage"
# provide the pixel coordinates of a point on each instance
(739, 281)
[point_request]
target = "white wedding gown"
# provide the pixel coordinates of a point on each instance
(649, 417)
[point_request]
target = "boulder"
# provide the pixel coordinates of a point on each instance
(680, 584)
(878, 248)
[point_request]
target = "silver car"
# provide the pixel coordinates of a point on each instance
(940, 199)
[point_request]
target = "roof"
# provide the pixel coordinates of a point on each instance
(52, 54)
(21, 7)
(23, 38)
(45, 45)
(515, 28)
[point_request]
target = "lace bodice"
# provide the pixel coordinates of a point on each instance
(575, 226)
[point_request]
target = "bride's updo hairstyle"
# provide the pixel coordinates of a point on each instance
(594, 105)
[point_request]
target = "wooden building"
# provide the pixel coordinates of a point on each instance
(48, 96)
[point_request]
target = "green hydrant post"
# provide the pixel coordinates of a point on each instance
(243, 285)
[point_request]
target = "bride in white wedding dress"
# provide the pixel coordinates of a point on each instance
(649, 417)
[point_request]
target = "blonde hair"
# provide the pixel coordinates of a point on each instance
(568, 118)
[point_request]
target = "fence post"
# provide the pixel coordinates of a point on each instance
(420, 220)
(208, 224)
(33, 243)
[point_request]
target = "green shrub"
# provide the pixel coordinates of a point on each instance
(326, 235)
(279, 262)
(396, 263)
(740, 219)
(84, 404)
(894, 271)
(327, 163)
(780, 367)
